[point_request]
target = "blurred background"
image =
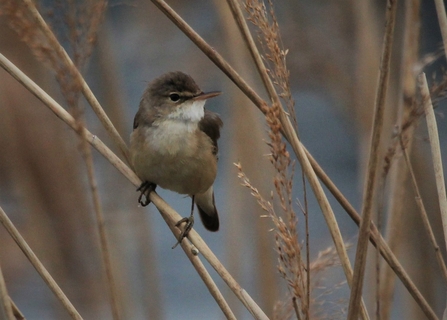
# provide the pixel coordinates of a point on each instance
(334, 53)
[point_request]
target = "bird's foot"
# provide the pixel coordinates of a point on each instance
(189, 224)
(145, 189)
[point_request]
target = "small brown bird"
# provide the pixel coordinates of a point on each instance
(174, 144)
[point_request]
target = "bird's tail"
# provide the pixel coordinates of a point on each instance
(207, 209)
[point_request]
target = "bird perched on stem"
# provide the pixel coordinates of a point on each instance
(174, 145)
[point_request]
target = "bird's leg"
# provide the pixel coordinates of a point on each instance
(145, 188)
(189, 224)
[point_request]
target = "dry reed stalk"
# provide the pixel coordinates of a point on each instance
(6, 311)
(373, 164)
(9, 226)
(366, 51)
(399, 172)
(437, 159)
(439, 175)
(168, 213)
(104, 244)
(255, 309)
(305, 211)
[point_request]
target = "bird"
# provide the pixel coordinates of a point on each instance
(174, 145)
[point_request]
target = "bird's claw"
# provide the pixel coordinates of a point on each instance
(189, 224)
(145, 189)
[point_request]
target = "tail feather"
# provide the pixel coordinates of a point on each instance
(207, 209)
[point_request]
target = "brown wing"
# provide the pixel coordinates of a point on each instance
(145, 115)
(210, 125)
(136, 120)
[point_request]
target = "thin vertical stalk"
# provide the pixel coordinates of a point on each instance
(436, 153)
(373, 164)
(306, 227)
(103, 242)
(433, 132)
(399, 172)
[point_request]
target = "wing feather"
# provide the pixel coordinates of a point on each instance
(210, 124)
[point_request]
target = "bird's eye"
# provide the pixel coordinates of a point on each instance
(174, 97)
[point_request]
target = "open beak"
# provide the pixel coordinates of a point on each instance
(207, 95)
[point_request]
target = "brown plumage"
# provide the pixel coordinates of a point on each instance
(174, 142)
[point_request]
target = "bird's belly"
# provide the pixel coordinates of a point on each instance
(178, 160)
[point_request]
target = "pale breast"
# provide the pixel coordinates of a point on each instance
(174, 155)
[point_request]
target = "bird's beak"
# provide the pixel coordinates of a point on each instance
(207, 95)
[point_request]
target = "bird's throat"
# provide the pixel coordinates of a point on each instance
(189, 111)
